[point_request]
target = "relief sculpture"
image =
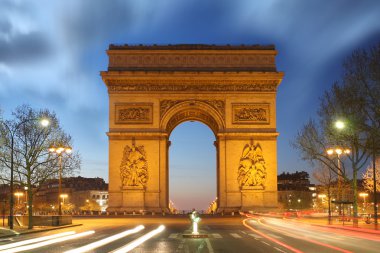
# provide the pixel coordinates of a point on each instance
(134, 167)
(252, 170)
(133, 113)
(250, 113)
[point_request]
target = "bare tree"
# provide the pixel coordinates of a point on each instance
(368, 177)
(25, 151)
(353, 100)
(325, 176)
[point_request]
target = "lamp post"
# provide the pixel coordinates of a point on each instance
(322, 197)
(339, 151)
(18, 194)
(59, 150)
(26, 198)
(63, 196)
(12, 132)
(363, 195)
(374, 182)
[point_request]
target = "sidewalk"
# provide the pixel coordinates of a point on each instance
(6, 232)
(335, 223)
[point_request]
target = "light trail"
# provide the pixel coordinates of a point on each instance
(305, 239)
(45, 243)
(130, 246)
(271, 239)
(30, 241)
(105, 241)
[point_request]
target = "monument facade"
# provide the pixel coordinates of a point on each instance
(231, 89)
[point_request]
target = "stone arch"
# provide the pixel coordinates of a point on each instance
(152, 89)
(192, 110)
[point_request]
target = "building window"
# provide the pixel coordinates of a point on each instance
(93, 196)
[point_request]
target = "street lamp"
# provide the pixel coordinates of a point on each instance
(363, 195)
(59, 150)
(18, 194)
(339, 124)
(12, 132)
(322, 197)
(339, 151)
(63, 196)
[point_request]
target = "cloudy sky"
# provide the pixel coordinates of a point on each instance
(51, 53)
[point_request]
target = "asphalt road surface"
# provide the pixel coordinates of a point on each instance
(225, 234)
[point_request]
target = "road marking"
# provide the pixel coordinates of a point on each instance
(48, 242)
(130, 246)
(279, 249)
(275, 236)
(173, 236)
(235, 235)
(243, 232)
(217, 236)
(180, 246)
(265, 243)
(209, 247)
(106, 240)
(255, 236)
(35, 240)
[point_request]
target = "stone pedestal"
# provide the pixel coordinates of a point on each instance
(134, 198)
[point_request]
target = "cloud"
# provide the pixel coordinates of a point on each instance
(24, 48)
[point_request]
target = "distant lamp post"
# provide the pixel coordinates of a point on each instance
(363, 195)
(59, 150)
(18, 195)
(63, 197)
(323, 196)
(12, 131)
(26, 197)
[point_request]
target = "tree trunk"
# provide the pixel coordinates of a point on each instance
(329, 203)
(355, 192)
(30, 206)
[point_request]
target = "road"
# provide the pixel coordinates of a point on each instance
(225, 234)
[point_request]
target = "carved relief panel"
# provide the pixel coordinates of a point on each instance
(134, 113)
(250, 113)
(252, 171)
(134, 167)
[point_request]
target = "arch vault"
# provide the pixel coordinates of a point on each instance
(152, 89)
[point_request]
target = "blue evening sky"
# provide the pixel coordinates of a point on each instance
(51, 53)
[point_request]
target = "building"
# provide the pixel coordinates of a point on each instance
(295, 190)
(77, 193)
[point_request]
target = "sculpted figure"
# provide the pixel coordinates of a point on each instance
(252, 171)
(134, 167)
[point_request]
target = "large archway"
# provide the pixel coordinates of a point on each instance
(231, 89)
(192, 167)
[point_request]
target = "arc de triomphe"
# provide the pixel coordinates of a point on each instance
(231, 89)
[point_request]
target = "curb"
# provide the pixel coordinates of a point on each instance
(40, 230)
(361, 230)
